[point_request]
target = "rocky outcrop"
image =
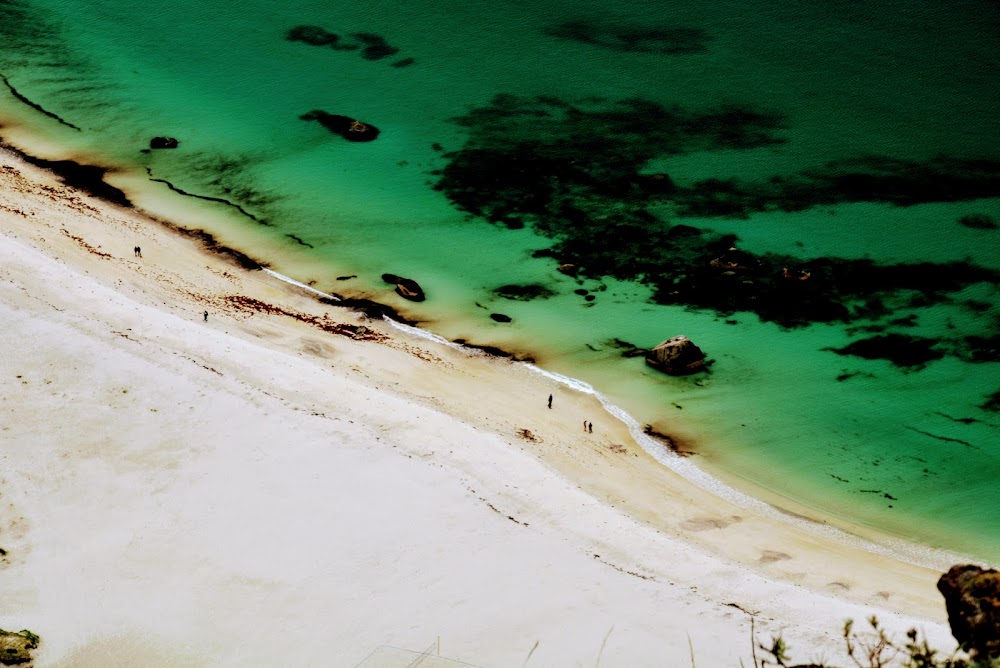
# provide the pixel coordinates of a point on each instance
(16, 648)
(406, 287)
(677, 356)
(163, 142)
(972, 597)
(349, 128)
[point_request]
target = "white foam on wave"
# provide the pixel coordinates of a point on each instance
(298, 284)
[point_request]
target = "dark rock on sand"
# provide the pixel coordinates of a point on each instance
(16, 648)
(972, 597)
(163, 142)
(676, 356)
(500, 317)
(349, 128)
(406, 287)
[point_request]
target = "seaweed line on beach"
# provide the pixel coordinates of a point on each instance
(88, 178)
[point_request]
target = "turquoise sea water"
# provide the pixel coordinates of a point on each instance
(913, 451)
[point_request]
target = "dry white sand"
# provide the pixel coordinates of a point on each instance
(256, 491)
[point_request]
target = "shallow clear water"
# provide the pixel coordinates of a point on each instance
(906, 80)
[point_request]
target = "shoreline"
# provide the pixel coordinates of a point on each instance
(634, 518)
(90, 179)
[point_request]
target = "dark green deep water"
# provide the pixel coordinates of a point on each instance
(855, 142)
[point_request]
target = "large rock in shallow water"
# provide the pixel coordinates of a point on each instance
(163, 142)
(677, 356)
(972, 596)
(406, 287)
(349, 128)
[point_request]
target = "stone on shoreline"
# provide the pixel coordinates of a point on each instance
(15, 648)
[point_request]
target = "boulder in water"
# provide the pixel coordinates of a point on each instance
(676, 356)
(349, 128)
(406, 287)
(163, 142)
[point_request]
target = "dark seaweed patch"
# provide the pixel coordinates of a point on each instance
(88, 178)
(35, 106)
(574, 172)
(977, 348)
(369, 45)
(633, 39)
(978, 221)
(992, 403)
(367, 307)
(207, 198)
(299, 240)
(524, 292)
(901, 350)
(868, 179)
(375, 46)
(227, 175)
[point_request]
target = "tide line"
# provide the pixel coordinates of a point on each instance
(912, 553)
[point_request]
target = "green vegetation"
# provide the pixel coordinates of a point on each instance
(874, 647)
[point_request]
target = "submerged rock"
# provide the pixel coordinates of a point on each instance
(15, 648)
(972, 597)
(163, 142)
(349, 128)
(676, 356)
(500, 317)
(406, 287)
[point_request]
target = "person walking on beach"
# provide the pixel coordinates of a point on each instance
(590, 427)
(137, 251)
(550, 401)
(585, 425)
(205, 315)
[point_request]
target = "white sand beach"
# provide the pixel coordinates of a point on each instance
(255, 490)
